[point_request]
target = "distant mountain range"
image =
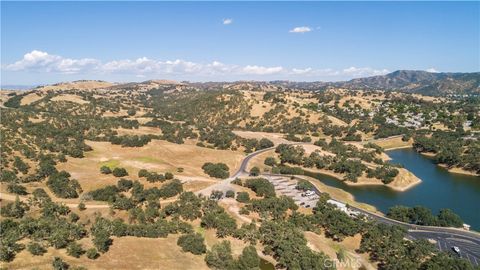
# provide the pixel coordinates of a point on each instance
(421, 82)
(409, 81)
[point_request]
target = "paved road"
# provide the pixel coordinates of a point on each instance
(225, 185)
(446, 238)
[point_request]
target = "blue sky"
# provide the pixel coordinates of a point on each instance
(46, 42)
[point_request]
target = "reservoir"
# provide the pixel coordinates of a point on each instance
(438, 189)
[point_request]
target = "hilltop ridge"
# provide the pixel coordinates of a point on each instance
(406, 81)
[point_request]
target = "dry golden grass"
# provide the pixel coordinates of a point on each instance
(276, 138)
(71, 98)
(439, 126)
(80, 85)
(211, 239)
(30, 98)
(126, 253)
(159, 156)
(142, 120)
(141, 130)
(392, 143)
(258, 161)
(403, 181)
(115, 114)
(259, 109)
(4, 95)
(319, 242)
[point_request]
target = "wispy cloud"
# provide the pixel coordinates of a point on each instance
(301, 29)
(433, 70)
(43, 62)
(364, 71)
(227, 21)
(259, 70)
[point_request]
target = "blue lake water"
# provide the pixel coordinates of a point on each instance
(439, 188)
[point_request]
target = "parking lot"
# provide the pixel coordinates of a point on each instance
(286, 186)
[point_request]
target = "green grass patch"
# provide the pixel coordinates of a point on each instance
(110, 163)
(149, 160)
(200, 230)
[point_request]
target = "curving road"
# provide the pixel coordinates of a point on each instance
(445, 238)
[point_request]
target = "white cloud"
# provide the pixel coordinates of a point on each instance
(38, 61)
(227, 21)
(364, 71)
(311, 72)
(433, 70)
(259, 70)
(42, 61)
(301, 71)
(301, 29)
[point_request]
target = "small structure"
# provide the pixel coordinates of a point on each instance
(343, 207)
(466, 227)
(339, 205)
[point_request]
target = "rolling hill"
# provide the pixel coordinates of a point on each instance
(421, 82)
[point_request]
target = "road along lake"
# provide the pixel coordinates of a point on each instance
(439, 188)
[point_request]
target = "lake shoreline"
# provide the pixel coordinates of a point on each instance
(413, 180)
(456, 170)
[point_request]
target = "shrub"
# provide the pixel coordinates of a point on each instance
(155, 177)
(270, 161)
(59, 264)
(249, 258)
(230, 194)
(119, 172)
(304, 185)
(92, 253)
(220, 257)
(62, 186)
(168, 175)
(124, 184)
(255, 171)
(106, 194)
(261, 186)
(7, 176)
(101, 239)
(14, 209)
(81, 206)
(171, 189)
(218, 170)
(75, 250)
(17, 189)
(105, 170)
(36, 249)
(243, 197)
(143, 173)
(237, 181)
(264, 143)
(192, 243)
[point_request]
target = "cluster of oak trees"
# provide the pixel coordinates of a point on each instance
(421, 215)
(451, 149)
(347, 160)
